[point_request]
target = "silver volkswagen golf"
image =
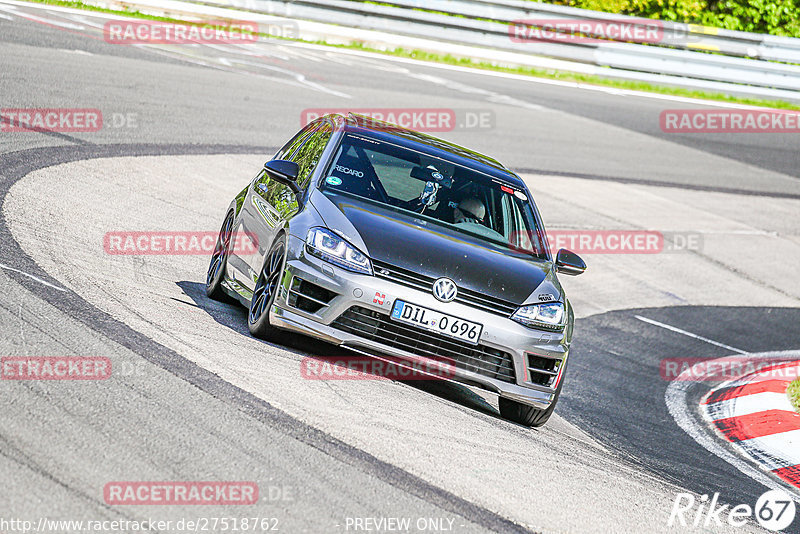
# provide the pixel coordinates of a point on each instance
(396, 244)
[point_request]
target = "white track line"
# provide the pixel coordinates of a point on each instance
(48, 284)
(675, 398)
(87, 22)
(51, 22)
(300, 78)
(685, 333)
(491, 96)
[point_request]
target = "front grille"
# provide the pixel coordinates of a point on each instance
(378, 327)
(543, 371)
(425, 283)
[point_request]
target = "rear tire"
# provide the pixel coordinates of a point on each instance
(528, 415)
(219, 262)
(266, 290)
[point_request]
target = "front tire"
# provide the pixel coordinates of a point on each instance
(219, 262)
(528, 415)
(266, 291)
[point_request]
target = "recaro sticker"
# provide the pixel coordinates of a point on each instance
(348, 170)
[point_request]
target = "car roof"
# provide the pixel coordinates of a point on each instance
(385, 131)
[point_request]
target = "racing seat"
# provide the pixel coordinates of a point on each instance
(356, 177)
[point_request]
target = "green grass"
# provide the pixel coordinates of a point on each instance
(794, 394)
(126, 13)
(483, 65)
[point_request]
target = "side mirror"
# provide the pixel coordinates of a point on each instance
(283, 171)
(569, 263)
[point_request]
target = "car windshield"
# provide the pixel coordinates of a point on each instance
(458, 197)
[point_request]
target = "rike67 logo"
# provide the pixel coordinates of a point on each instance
(774, 510)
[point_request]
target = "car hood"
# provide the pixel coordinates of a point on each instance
(431, 250)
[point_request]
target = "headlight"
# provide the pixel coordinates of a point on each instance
(326, 245)
(548, 316)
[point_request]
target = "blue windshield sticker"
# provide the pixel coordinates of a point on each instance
(334, 180)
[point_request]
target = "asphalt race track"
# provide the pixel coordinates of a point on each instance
(185, 128)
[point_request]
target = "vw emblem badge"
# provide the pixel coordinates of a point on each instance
(445, 289)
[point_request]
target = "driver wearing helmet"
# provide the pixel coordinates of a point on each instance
(469, 214)
(469, 210)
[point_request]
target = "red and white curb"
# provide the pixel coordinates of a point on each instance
(755, 415)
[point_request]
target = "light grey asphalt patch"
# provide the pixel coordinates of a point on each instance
(19, 164)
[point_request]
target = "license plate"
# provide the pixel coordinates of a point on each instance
(438, 322)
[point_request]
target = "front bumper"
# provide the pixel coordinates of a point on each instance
(345, 290)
